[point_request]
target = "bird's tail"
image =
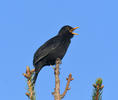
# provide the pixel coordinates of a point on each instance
(35, 77)
(37, 70)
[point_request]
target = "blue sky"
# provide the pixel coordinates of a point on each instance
(26, 24)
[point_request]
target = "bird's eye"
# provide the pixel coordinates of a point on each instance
(68, 28)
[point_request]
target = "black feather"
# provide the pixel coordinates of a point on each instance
(54, 48)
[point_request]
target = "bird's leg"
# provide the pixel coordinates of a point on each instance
(58, 59)
(52, 66)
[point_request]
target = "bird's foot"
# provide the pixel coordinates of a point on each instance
(58, 61)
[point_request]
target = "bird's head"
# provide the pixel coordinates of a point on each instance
(67, 31)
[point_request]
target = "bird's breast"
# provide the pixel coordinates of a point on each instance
(59, 52)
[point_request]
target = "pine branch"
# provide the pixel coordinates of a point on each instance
(57, 81)
(56, 93)
(28, 76)
(67, 85)
(57, 96)
(97, 92)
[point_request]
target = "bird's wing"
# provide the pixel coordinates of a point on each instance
(46, 48)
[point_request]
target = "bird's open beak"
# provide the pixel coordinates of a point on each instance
(73, 30)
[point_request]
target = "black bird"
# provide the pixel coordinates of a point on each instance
(54, 48)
